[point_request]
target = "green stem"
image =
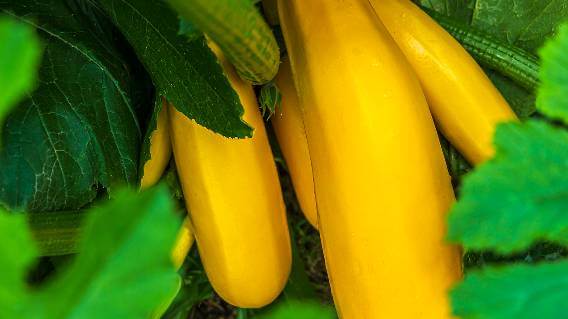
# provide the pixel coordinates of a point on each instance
(519, 65)
(240, 31)
(56, 233)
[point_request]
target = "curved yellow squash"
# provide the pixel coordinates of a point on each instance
(381, 184)
(463, 101)
(289, 128)
(233, 195)
(183, 243)
(160, 150)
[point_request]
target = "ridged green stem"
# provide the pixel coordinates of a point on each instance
(519, 65)
(240, 31)
(56, 233)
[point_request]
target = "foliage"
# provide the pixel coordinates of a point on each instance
(19, 59)
(78, 130)
(124, 269)
(515, 199)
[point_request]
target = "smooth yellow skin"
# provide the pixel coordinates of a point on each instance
(381, 184)
(463, 101)
(289, 128)
(232, 190)
(160, 150)
(183, 243)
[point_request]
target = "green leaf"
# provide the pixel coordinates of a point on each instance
(19, 60)
(124, 269)
(519, 196)
(301, 310)
(461, 10)
(553, 93)
(17, 253)
(185, 72)
(525, 23)
(270, 98)
(78, 132)
(518, 291)
(189, 29)
(195, 288)
(152, 125)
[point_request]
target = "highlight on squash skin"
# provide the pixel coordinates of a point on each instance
(288, 126)
(463, 101)
(382, 187)
(160, 150)
(232, 191)
(183, 243)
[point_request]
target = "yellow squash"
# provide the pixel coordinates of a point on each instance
(289, 128)
(233, 195)
(160, 153)
(381, 184)
(160, 150)
(463, 101)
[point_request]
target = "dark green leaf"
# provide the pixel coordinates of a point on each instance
(78, 131)
(553, 94)
(519, 196)
(185, 72)
(525, 23)
(519, 291)
(461, 10)
(189, 29)
(19, 60)
(152, 125)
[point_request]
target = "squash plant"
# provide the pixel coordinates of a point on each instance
(87, 85)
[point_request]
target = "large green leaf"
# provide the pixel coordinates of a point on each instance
(525, 23)
(518, 197)
(19, 59)
(124, 268)
(519, 291)
(185, 72)
(78, 131)
(17, 254)
(553, 94)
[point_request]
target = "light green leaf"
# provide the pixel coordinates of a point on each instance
(301, 310)
(519, 196)
(17, 253)
(185, 72)
(518, 291)
(20, 54)
(124, 269)
(553, 94)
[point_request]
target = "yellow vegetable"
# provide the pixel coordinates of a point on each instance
(160, 153)
(381, 184)
(160, 150)
(289, 128)
(464, 102)
(183, 243)
(233, 195)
